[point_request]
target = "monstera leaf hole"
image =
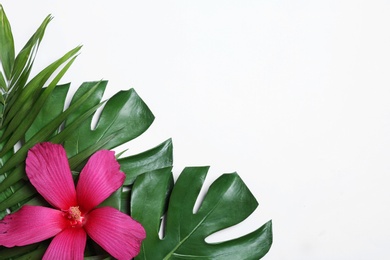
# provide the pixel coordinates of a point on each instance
(207, 181)
(183, 233)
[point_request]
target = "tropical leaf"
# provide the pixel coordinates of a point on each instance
(25, 59)
(54, 106)
(227, 202)
(7, 50)
(157, 158)
(125, 115)
(34, 110)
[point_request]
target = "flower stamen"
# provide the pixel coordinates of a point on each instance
(74, 215)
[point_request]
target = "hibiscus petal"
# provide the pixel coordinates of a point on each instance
(30, 224)
(116, 232)
(100, 177)
(69, 244)
(48, 169)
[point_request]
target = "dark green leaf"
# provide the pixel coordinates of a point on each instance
(16, 175)
(25, 192)
(124, 115)
(227, 202)
(153, 159)
(114, 200)
(125, 201)
(36, 254)
(11, 253)
(94, 99)
(150, 195)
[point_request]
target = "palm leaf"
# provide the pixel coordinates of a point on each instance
(7, 50)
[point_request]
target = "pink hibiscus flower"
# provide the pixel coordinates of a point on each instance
(75, 213)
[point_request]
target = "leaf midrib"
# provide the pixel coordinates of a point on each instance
(196, 227)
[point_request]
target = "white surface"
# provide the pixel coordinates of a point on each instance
(293, 95)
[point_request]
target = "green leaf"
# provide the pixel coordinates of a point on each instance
(46, 131)
(115, 200)
(94, 99)
(20, 195)
(36, 254)
(25, 59)
(149, 198)
(16, 175)
(25, 122)
(155, 158)
(3, 84)
(53, 107)
(11, 253)
(227, 202)
(125, 115)
(7, 50)
(30, 98)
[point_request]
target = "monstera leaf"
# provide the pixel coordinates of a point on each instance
(227, 202)
(33, 109)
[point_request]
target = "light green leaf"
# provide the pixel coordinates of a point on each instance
(3, 84)
(45, 133)
(19, 107)
(52, 108)
(24, 122)
(25, 59)
(7, 50)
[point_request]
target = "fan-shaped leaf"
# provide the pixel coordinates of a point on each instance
(24, 122)
(25, 192)
(27, 100)
(25, 59)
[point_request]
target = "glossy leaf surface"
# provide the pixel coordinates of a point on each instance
(155, 158)
(125, 116)
(227, 202)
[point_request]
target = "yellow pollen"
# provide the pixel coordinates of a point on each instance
(74, 213)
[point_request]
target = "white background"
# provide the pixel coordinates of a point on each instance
(293, 95)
